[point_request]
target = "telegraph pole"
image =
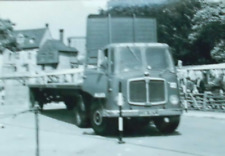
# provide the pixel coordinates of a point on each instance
(36, 111)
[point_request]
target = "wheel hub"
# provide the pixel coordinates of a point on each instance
(78, 118)
(166, 120)
(97, 118)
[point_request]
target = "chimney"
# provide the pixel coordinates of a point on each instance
(46, 25)
(61, 35)
(69, 42)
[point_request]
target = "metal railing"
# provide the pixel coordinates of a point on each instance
(206, 102)
(66, 76)
(60, 77)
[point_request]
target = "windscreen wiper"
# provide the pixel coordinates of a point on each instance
(133, 53)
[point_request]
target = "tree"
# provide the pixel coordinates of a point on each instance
(174, 27)
(208, 33)
(7, 40)
(218, 52)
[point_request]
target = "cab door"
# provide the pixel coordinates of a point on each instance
(111, 84)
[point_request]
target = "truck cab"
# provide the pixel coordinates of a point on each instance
(144, 74)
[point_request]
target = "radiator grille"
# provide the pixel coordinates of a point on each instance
(138, 91)
(156, 91)
(147, 91)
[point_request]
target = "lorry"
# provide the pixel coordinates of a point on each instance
(129, 68)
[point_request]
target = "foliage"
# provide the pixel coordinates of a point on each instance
(208, 33)
(218, 52)
(7, 39)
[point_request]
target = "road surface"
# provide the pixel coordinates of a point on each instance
(195, 136)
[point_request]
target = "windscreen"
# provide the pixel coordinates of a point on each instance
(158, 58)
(130, 59)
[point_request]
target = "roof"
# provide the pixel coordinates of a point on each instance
(48, 53)
(29, 38)
(56, 45)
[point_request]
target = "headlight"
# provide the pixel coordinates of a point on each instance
(174, 99)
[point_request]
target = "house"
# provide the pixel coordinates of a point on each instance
(55, 55)
(38, 52)
(24, 60)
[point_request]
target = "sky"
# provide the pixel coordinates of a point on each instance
(68, 15)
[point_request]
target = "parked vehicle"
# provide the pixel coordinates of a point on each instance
(140, 75)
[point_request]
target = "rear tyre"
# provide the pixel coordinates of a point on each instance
(70, 103)
(167, 125)
(80, 114)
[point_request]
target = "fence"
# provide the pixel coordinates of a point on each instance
(207, 101)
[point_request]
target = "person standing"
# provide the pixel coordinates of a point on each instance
(201, 84)
(189, 85)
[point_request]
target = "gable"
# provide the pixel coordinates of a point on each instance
(30, 38)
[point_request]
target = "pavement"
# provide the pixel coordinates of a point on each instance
(7, 110)
(205, 114)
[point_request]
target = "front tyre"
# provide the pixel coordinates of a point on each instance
(100, 124)
(167, 125)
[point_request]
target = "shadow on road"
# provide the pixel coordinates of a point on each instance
(60, 114)
(149, 130)
(67, 116)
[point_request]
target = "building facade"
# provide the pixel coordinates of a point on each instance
(24, 60)
(34, 44)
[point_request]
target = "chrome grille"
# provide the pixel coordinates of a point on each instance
(156, 91)
(138, 91)
(147, 91)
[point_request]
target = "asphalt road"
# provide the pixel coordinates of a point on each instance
(195, 136)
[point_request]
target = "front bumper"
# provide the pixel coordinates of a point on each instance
(143, 113)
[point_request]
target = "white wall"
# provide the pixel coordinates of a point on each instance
(64, 61)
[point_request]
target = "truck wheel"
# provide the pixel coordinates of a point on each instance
(81, 118)
(167, 124)
(70, 103)
(100, 124)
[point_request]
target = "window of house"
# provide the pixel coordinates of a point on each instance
(26, 66)
(29, 55)
(10, 56)
(54, 66)
(17, 55)
(74, 65)
(43, 67)
(15, 69)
